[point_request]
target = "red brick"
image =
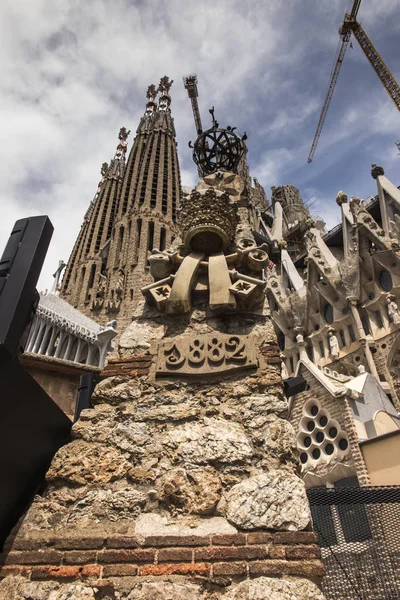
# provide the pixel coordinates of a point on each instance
(31, 543)
(175, 555)
(79, 543)
(14, 570)
(230, 568)
(277, 552)
(34, 557)
(301, 552)
(119, 570)
(268, 567)
(295, 537)
(163, 541)
(229, 539)
(259, 537)
(311, 568)
(122, 542)
(305, 568)
(126, 556)
(51, 572)
(176, 569)
(80, 557)
(231, 553)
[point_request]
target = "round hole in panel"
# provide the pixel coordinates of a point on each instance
(332, 432)
(316, 453)
(314, 410)
(310, 426)
(329, 449)
(307, 441)
(343, 444)
(303, 458)
(319, 437)
(323, 420)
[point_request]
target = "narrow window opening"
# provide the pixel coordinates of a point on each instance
(162, 238)
(91, 278)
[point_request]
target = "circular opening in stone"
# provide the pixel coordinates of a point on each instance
(316, 453)
(320, 437)
(323, 421)
(314, 410)
(207, 242)
(303, 457)
(307, 441)
(343, 444)
(329, 449)
(310, 425)
(385, 281)
(333, 432)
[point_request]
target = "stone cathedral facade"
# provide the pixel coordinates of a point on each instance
(183, 480)
(187, 478)
(133, 212)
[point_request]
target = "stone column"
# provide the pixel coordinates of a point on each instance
(52, 340)
(361, 337)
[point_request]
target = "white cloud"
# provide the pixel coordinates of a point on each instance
(74, 72)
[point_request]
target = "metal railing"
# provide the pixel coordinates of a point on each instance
(359, 537)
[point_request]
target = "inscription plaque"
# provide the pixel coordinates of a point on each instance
(205, 354)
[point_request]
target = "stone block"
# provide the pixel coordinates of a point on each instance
(230, 568)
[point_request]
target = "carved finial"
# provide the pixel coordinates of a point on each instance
(341, 198)
(123, 134)
(151, 92)
(104, 169)
(165, 85)
(376, 171)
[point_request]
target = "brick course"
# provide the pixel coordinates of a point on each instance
(235, 555)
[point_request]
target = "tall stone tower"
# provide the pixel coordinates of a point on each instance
(129, 218)
(182, 481)
(86, 265)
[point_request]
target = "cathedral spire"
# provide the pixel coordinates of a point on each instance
(117, 166)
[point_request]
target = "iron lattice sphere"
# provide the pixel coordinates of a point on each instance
(218, 150)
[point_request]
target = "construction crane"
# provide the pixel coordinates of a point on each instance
(190, 83)
(351, 25)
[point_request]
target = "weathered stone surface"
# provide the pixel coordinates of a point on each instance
(195, 491)
(153, 524)
(141, 334)
(107, 505)
(165, 590)
(274, 500)
(83, 463)
(18, 588)
(210, 440)
(280, 439)
(274, 589)
(115, 390)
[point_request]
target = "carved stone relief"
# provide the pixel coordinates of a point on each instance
(205, 354)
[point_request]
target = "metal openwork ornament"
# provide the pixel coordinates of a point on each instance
(218, 149)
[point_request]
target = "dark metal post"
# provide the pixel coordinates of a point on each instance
(20, 268)
(87, 384)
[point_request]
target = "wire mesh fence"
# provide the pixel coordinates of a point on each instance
(359, 537)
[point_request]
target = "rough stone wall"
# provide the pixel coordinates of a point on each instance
(174, 478)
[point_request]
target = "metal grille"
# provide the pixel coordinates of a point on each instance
(359, 536)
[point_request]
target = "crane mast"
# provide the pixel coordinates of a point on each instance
(190, 83)
(351, 25)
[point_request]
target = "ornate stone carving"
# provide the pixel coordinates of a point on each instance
(207, 221)
(205, 354)
(393, 310)
(376, 171)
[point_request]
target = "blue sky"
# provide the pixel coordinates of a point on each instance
(74, 72)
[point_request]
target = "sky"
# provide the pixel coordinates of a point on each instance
(74, 72)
